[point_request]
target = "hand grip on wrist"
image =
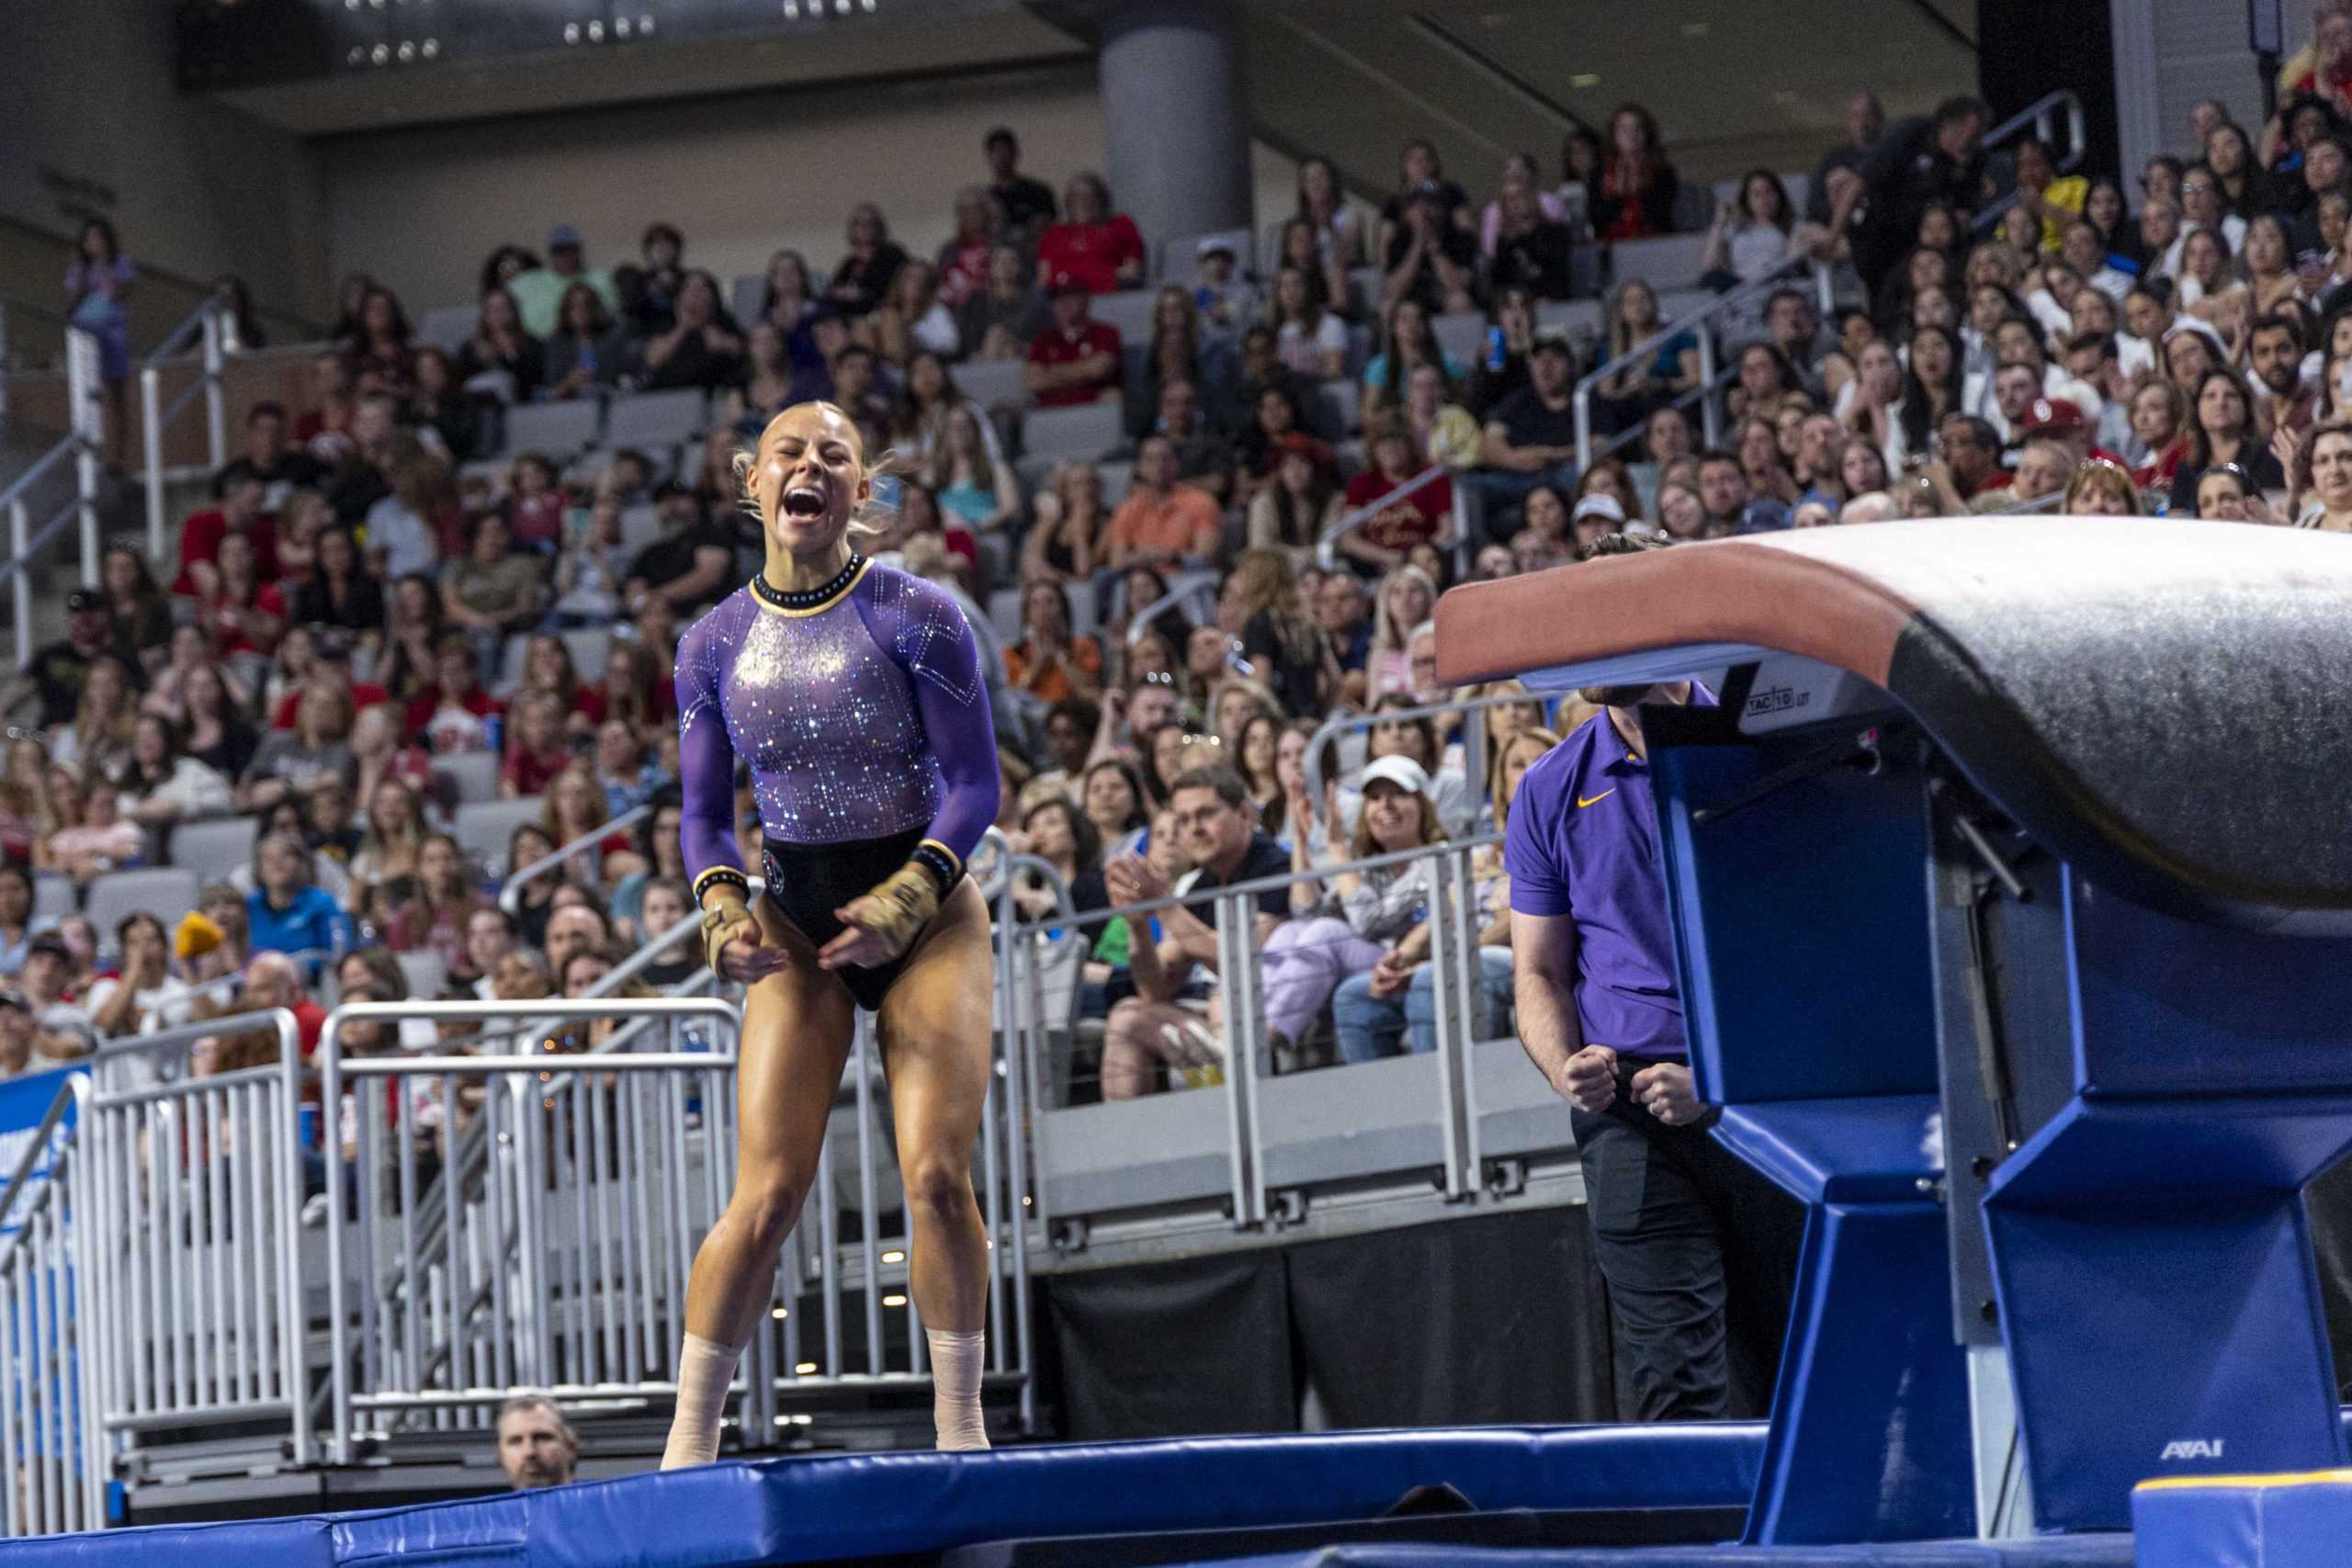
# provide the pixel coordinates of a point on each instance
(723, 921)
(907, 900)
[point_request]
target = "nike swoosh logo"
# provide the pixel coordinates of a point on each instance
(1604, 794)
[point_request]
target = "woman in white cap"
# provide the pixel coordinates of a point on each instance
(1340, 925)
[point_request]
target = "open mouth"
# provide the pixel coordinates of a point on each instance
(804, 502)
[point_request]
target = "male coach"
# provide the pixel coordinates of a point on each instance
(1682, 1228)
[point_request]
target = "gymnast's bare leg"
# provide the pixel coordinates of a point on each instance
(854, 695)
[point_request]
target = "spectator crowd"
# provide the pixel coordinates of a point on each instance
(383, 612)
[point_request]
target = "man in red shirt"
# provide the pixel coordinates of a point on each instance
(1077, 359)
(453, 713)
(330, 667)
(239, 513)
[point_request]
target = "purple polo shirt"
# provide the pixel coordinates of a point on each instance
(1583, 843)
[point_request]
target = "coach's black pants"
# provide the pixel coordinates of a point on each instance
(1699, 1252)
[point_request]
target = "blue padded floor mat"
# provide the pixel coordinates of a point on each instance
(2065, 1552)
(742, 1514)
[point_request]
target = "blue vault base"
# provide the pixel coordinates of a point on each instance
(915, 1506)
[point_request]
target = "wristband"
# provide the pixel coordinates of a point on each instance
(718, 874)
(937, 859)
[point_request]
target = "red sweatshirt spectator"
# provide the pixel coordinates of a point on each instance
(1094, 244)
(239, 513)
(453, 713)
(1075, 359)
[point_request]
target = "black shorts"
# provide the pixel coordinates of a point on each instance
(809, 882)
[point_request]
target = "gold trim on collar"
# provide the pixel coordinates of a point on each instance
(834, 598)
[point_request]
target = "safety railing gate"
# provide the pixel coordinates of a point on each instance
(566, 1256)
(150, 1281)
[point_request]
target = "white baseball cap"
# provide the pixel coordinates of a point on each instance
(1597, 504)
(1402, 771)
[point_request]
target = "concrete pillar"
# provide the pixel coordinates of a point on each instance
(1175, 117)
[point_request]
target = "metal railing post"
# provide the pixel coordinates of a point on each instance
(510, 892)
(151, 443)
(216, 412)
(1710, 416)
(338, 1333)
(1583, 403)
(20, 586)
(89, 425)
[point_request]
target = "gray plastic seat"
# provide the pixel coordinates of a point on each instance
(211, 850)
(168, 892)
(559, 429)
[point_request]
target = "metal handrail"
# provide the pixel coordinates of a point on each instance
(1468, 707)
(2038, 115)
(1325, 547)
(203, 324)
(1695, 322)
(24, 540)
(1053, 878)
(34, 475)
(510, 892)
(1140, 622)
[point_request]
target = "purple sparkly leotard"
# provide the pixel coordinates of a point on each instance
(862, 717)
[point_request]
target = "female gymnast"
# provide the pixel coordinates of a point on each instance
(853, 693)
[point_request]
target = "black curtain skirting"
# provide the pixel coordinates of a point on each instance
(1499, 1319)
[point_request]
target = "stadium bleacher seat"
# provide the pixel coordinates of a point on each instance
(656, 419)
(1004, 612)
(1673, 304)
(744, 294)
(1083, 620)
(473, 775)
(490, 472)
(1577, 317)
(482, 827)
(640, 525)
(1086, 431)
(1339, 405)
(447, 327)
(213, 848)
(424, 972)
(1461, 335)
(53, 896)
(168, 892)
(1129, 310)
(561, 430)
(993, 383)
(1667, 261)
(589, 645)
(1116, 475)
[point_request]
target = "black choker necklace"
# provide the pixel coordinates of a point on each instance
(807, 598)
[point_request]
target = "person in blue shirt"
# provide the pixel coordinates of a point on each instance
(288, 912)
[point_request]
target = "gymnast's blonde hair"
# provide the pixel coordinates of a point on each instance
(869, 521)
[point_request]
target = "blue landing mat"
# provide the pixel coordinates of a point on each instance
(2069, 1552)
(739, 1515)
(2246, 1521)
